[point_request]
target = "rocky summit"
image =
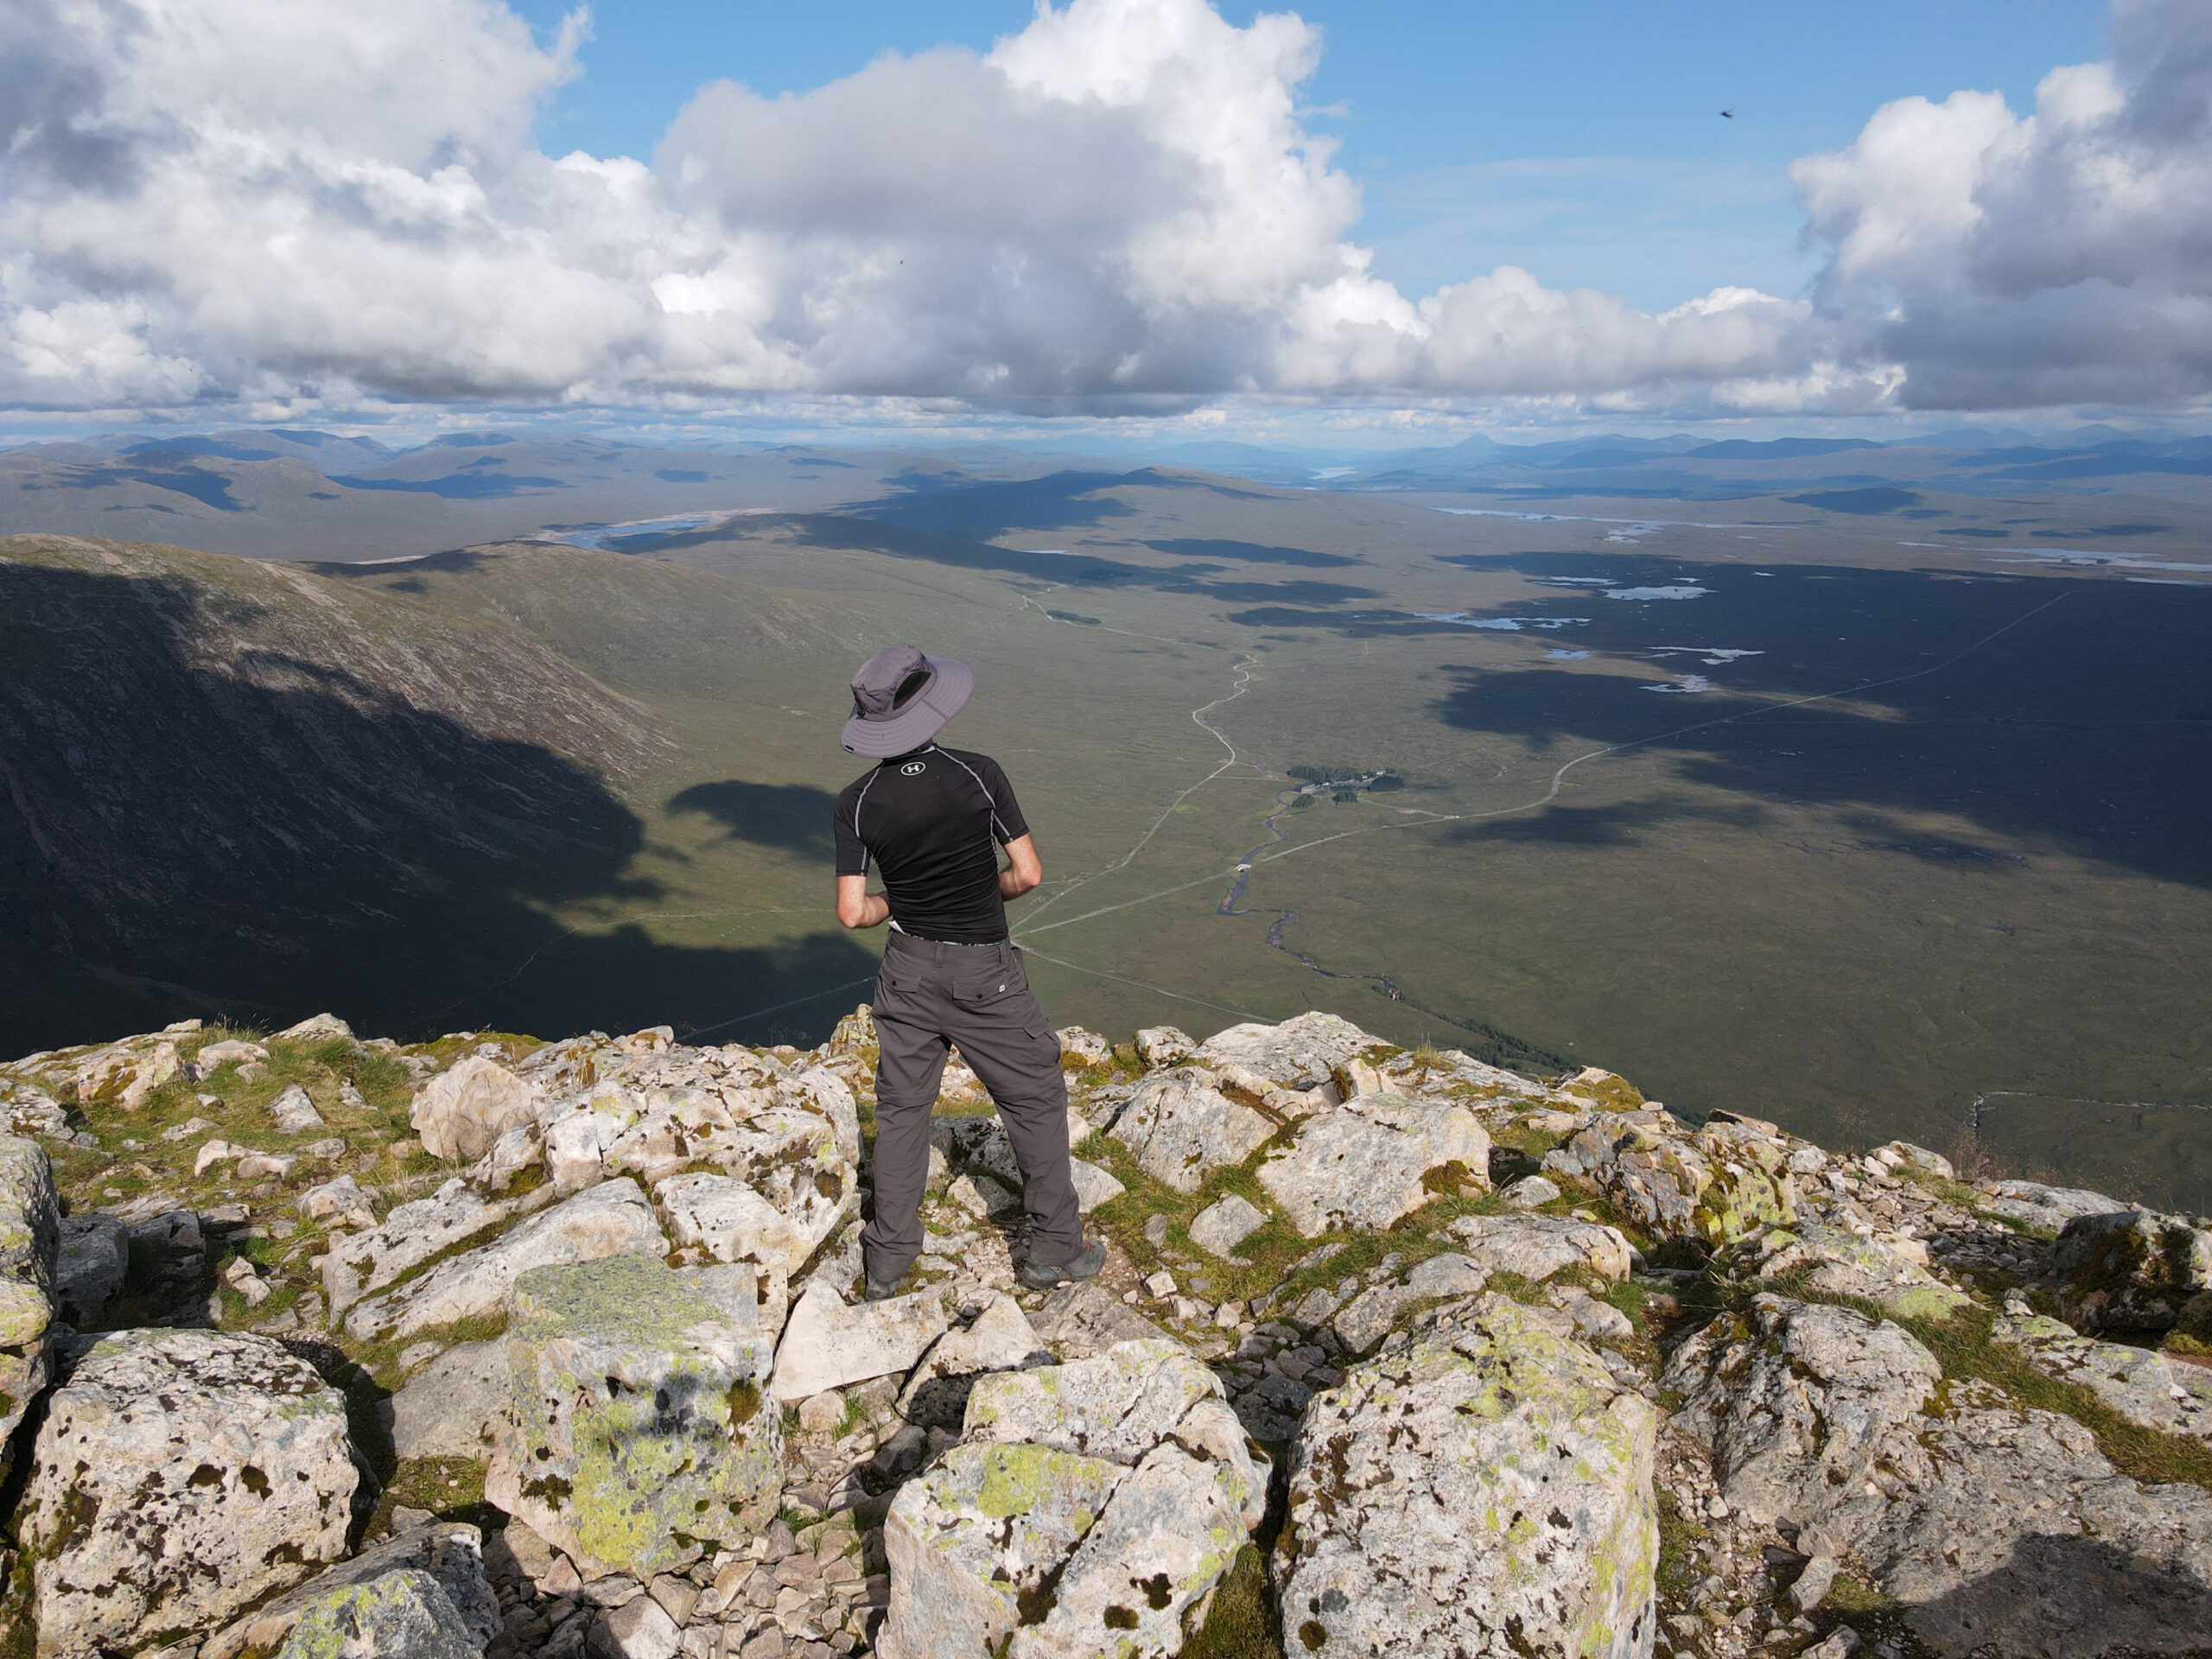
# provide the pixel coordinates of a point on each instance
(315, 1345)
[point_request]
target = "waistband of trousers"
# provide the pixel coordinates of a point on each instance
(913, 944)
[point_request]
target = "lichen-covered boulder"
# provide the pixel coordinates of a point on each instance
(1163, 1045)
(1997, 1529)
(1727, 1181)
(328, 1607)
(2130, 1271)
(459, 1114)
(977, 1537)
(1092, 1507)
(640, 1434)
(180, 1477)
(1302, 1052)
(1483, 1485)
(1120, 1405)
(1599, 1090)
(401, 1614)
(358, 1263)
(30, 1244)
(1538, 1247)
(1750, 1183)
(1373, 1160)
(1079, 1048)
(1799, 1401)
(611, 1219)
(1165, 1538)
(1833, 1260)
(1180, 1126)
(2142, 1385)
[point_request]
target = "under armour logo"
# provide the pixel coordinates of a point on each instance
(914, 768)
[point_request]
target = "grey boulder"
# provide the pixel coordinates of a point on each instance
(1374, 1161)
(610, 1219)
(2130, 1271)
(450, 1553)
(178, 1477)
(1226, 1223)
(401, 1614)
(1180, 1126)
(360, 1262)
(460, 1113)
(1483, 1485)
(1997, 1529)
(1538, 1247)
(30, 1244)
(828, 1344)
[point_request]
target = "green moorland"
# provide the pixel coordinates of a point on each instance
(1836, 818)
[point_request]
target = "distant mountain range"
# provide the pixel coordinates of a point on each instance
(296, 493)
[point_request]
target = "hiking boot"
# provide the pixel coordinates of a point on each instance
(1083, 1264)
(879, 1290)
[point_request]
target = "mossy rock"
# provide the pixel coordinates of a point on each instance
(638, 1437)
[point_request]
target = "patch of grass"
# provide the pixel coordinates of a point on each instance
(1851, 1597)
(450, 1047)
(1243, 1622)
(450, 1488)
(1271, 1253)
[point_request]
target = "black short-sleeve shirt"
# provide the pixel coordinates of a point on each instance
(932, 821)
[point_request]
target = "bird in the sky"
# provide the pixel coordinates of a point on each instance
(1727, 115)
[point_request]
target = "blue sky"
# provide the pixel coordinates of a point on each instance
(1397, 220)
(1580, 139)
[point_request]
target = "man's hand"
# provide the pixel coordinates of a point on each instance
(857, 906)
(1024, 872)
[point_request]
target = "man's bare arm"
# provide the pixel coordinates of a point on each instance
(857, 906)
(1024, 871)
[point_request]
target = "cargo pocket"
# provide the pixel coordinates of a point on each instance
(897, 979)
(994, 989)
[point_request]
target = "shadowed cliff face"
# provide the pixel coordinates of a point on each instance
(242, 787)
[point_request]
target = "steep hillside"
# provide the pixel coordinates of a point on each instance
(225, 774)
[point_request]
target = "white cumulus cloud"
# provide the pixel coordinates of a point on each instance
(2064, 256)
(257, 203)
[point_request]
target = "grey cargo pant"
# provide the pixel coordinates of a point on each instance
(928, 995)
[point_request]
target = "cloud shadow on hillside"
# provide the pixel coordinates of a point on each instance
(792, 817)
(1078, 569)
(1214, 547)
(1617, 824)
(272, 837)
(1066, 500)
(2086, 725)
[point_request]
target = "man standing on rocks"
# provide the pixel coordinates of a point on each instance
(933, 820)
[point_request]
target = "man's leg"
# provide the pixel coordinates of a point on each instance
(909, 1068)
(1009, 1045)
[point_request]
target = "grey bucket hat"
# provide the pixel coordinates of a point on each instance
(901, 699)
